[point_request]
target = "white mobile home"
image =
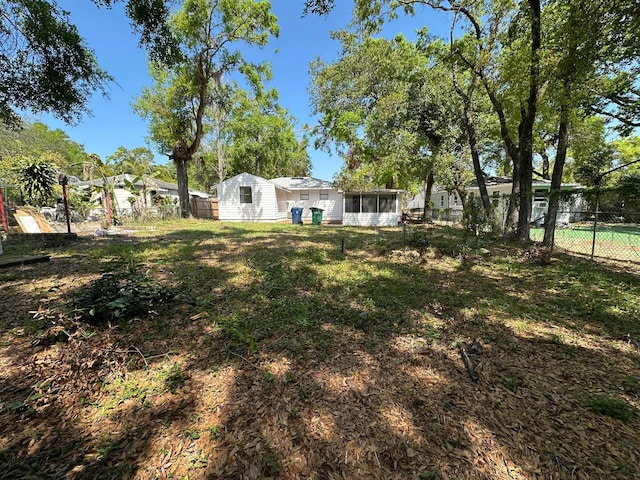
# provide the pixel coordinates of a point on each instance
(499, 190)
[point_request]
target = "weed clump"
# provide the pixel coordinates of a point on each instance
(119, 296)
(612, 407)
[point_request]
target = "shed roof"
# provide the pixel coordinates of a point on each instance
(374, 190)
(302, 183)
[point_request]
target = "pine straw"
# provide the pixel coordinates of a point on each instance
(362, 406)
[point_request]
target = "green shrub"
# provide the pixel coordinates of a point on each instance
(121, 295)
(612, 407)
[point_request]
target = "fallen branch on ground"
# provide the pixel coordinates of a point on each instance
(469, 365)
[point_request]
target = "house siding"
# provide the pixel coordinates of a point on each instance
(371, 219)
(332, 206)
(265, 202)
(121, 198)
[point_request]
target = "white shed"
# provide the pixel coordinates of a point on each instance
(249, 198)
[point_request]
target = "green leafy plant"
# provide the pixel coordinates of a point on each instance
(612, 407)
(121, 295)
(173, 378)
(37, 181)
(477, 221)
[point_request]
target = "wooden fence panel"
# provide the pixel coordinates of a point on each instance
(205, 208)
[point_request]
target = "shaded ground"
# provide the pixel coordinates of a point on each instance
(282, 357)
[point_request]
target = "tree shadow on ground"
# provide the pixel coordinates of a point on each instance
(295, 370)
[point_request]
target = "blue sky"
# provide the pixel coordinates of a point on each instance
(301, 40)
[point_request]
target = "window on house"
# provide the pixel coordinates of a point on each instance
(455, 200)
(495, 199)
(387, 204)
(442, 200)
(539, 195)
(245, 195)
(304, 194)
(324, 194)
(369, 203)
(352, 203)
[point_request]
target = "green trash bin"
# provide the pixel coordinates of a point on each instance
(316, 215)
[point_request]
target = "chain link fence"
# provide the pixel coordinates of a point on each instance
(597, 234)
(603, 234)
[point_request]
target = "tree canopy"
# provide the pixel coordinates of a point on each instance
(545, 67)
(260, 138)
(47, 67)
(386, 107)
(209, 33)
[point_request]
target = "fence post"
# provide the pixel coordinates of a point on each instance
(595, 228)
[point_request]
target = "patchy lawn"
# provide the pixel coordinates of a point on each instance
(210, 351)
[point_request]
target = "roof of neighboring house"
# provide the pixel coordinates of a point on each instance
(302, 183)
(154, 183)
(495, 181)
(375, 190)
(116, 180)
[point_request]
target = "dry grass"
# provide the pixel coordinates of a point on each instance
(282, 357)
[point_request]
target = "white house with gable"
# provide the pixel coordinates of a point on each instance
(499, 190)
(250, 198)
(131, 192)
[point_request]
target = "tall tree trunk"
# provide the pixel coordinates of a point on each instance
(470, 127)
(556, 177)
(475, 157)
(525, 134)
(526, 175)
(428, 187)
(183, 187)
(181, 157)
(511, 222)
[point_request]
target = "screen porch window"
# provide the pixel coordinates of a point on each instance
(369, 204)
(387, 204)
(352, 203)
(245, 195)
(383, 203)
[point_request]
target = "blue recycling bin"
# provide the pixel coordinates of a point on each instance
(296, 215)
